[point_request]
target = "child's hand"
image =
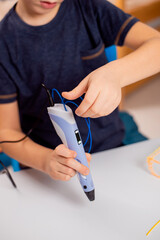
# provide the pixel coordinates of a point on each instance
(103, 92)
(61, 164)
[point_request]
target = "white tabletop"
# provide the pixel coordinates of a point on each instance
(127, 201)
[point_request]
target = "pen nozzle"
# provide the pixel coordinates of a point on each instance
(90, 195)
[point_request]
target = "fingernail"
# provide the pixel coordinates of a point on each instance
(77, 113)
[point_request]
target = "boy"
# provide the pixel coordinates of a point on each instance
(61, 44)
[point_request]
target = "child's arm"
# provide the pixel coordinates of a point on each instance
(103, 86)
(59, 163)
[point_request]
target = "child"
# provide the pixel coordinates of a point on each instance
(61, 44)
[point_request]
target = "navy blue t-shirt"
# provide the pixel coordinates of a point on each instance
(60, 54)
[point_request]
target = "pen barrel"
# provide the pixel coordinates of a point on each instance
(66, 128)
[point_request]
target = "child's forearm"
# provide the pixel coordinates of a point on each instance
(142, 63)
(26, 152)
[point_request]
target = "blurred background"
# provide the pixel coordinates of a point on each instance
(141, 100)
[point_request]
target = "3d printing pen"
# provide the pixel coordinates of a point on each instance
(66, 128)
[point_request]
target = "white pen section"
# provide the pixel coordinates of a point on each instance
(58, 110)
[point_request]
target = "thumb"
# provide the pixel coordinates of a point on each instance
(77, 91)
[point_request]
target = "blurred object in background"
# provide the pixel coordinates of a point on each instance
(131, 4)
(148, 11)
(142, 99)
(145, 10)
(144, 105)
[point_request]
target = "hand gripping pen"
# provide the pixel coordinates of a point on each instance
(66, 128)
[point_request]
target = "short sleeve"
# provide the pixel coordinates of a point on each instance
(113, 23)
(8, 92)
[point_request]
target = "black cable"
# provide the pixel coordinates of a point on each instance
(36, 122)
(29, 132)
(16, 141)
(8, 174)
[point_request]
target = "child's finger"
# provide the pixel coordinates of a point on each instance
(88, 156)
(96, 107)
(66, 170)
(74, 164)
(60, 176)
(90, 97)
(77, 91)
(63, 151)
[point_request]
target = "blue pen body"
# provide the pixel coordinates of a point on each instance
(66, 128)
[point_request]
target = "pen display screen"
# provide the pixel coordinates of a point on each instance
(78, 136)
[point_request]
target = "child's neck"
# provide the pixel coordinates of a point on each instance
(34, 18)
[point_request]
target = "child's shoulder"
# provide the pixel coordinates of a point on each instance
(6, 31)
(6, 23)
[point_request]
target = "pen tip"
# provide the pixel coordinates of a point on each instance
(90, 195)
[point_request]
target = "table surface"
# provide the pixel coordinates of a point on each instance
(127, 201)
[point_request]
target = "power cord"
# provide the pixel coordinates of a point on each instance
(29, 132)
